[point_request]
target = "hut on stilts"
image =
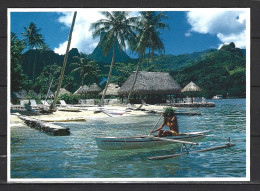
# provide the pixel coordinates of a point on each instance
(151, 87)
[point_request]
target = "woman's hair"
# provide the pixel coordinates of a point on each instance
(168, 112)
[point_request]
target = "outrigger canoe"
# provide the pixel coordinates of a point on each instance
(138, 142)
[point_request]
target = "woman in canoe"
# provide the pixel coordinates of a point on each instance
(170, 119)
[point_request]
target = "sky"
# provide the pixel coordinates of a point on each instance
(190, 31)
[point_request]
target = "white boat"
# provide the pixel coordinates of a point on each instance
(138, 142)
(217, 97)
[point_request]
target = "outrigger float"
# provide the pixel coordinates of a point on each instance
(149, 141)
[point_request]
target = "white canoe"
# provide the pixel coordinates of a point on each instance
(138, 142)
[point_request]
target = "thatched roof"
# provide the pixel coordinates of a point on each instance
(50, 94)
(32, 93)
(94, 88)
(191, 87)
(63, 91)
(150, 83)
(112, 90)
(19, 95)
(81, 90)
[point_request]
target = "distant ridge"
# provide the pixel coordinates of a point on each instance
(46, 58)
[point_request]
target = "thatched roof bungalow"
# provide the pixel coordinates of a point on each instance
(94, 88)
(63, 91)
(112, 90)
(22, 94)
(81, 90)
(191, 87)
(150, 83)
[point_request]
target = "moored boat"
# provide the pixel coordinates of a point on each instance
(138, 142)
(217, 97)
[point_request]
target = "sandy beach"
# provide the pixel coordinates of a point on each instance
(83, 113)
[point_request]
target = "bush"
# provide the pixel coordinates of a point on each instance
(70, 98)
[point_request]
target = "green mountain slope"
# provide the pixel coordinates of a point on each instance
(220, 72)
(172, 62)
(46, 58)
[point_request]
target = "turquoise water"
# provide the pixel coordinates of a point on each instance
(35, 154)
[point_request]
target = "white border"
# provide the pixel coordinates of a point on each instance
(129, 180)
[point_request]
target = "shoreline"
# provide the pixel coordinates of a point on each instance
(85, 113)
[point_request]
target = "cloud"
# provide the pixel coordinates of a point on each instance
(82, 36)
(228, 26)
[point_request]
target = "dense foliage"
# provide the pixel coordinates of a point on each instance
(70, 98)
(221, 72)
(18, 79)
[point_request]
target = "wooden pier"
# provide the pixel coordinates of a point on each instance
(196, 104)
(46, 127)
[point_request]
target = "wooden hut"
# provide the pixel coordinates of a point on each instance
(153, 87)
(63, 91)
(82, 90)
(191, 87)
(94, 89)
(112, 90)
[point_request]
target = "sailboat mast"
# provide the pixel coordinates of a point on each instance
(64, 63)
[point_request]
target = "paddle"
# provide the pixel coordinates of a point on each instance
(155, 125)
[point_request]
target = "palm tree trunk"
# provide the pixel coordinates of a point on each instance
(64, 63)
(152, 55)
(34, 66)
(109, 75)
(149, 57)
(137, 70)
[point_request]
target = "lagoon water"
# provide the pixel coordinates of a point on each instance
(35, 154)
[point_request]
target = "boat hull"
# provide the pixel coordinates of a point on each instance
(113, 143)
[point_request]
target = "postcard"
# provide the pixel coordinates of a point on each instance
(128, 95)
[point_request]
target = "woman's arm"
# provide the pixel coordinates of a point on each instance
(164, 122)
(173, 118)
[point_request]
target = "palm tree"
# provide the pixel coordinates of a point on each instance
(33, 39)
(86, 67)
(64, 62)
(119, 30)
(148, 37)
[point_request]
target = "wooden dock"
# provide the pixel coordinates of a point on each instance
(196, 104)
(45, 127)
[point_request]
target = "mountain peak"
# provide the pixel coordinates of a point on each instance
(98, 54)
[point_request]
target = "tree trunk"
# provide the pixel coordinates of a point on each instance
(64, 63)
(34, 66)
(82, 80)
(137, 70)
(152, 55)
(109, 75)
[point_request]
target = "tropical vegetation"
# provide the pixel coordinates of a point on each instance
(34, 66)
(118, 28)
(149, 30)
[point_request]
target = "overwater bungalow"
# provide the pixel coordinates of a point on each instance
(152, 87)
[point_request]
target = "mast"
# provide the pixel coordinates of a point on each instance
(64, 63)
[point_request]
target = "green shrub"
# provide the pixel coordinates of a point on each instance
(70, 98)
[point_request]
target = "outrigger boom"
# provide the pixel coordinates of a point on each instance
(184, 153)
